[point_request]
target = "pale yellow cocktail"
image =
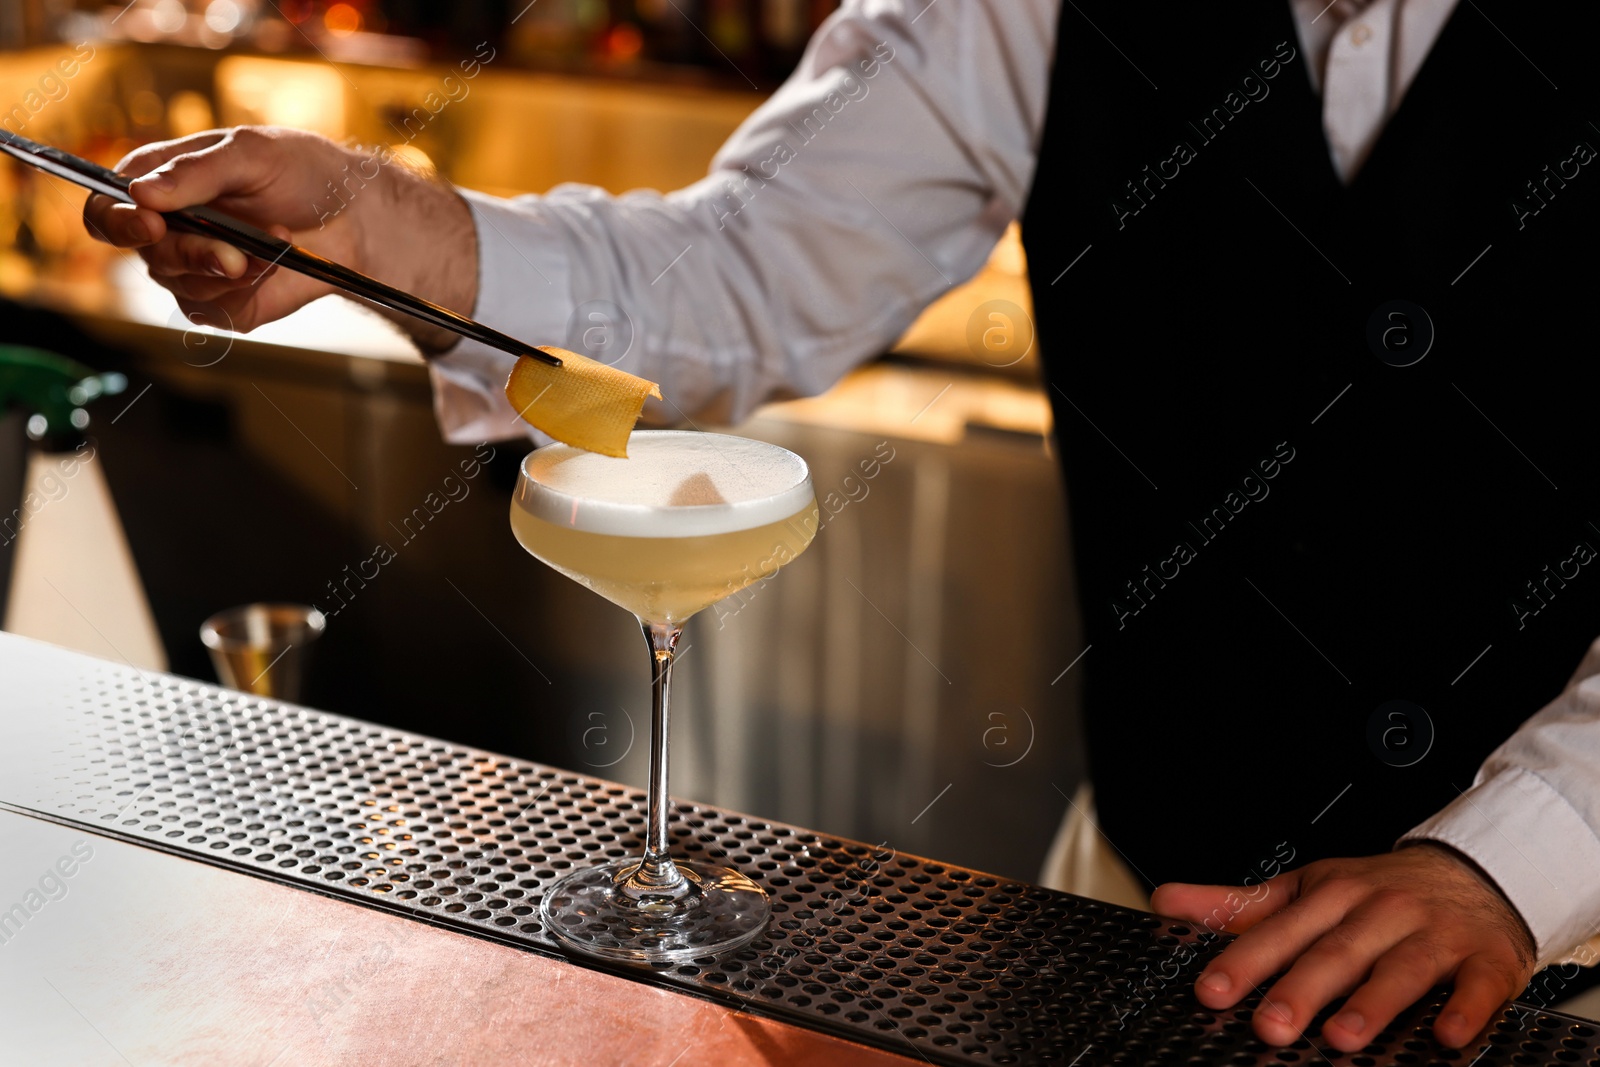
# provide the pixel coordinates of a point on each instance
(686, 520)
(667, 579)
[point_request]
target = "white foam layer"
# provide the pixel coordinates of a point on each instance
(674, 483)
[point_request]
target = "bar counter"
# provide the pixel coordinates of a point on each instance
(193, 875)
(156, 959)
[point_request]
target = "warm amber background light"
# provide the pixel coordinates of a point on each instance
(342, 20)
(625, 41)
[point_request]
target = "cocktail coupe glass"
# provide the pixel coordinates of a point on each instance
(687, 519)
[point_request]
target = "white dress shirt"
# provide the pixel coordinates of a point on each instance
(1362, 56)
(877, 177)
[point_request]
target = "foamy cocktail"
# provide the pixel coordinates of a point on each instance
(687, 519)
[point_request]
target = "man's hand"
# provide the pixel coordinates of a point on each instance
(1388, 927)
(362, 209)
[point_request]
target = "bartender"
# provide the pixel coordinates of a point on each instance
(1306, 275)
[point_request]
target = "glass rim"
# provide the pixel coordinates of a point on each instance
(574, 511)
(287, 625)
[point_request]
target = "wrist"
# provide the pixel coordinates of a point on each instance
(1515, 927)
(417, 233)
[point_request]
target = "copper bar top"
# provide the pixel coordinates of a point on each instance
(146, 958)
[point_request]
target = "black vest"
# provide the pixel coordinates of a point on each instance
(1280, 529)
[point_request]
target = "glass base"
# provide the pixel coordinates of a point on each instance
(721, 910)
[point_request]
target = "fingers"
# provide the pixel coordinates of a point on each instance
(122, 225)
(1389, 927)
(186, 254)
(129, 226)
(1271, 944)
(232, 164)
(147, 158)
(1336, 964)
(241, 305)
(1220, 908)
(1185, 900)
(1400, 977)
(229, 289)
(205, 290)
(1483, 983)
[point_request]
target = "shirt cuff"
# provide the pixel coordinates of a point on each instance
(1536, 847)
(524, 291)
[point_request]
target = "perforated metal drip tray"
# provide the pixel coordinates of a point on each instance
(932, 961)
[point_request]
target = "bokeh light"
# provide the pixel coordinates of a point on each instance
(342, 20)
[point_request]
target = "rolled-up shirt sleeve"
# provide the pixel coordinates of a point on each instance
(878, 176)
(1531, 820)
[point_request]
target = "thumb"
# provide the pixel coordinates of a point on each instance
(1224, 908)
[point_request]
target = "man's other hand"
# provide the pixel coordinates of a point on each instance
(1384, 930)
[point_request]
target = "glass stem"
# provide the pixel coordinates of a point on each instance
(656, 875)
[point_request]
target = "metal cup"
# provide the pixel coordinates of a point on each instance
(262, 648)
